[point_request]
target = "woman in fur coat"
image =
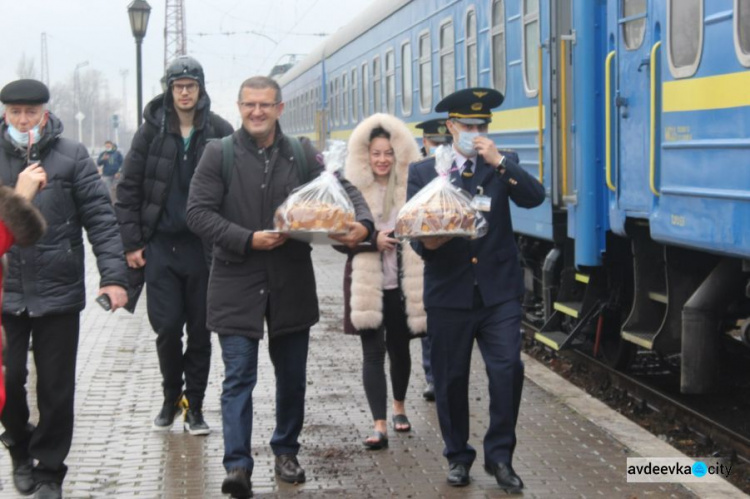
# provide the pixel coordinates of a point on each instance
(383, 280)
(21, 223)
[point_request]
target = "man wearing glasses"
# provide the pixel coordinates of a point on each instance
(151, 202)
(260, 276)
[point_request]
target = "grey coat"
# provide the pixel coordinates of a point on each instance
(48, 277)
(244, 282)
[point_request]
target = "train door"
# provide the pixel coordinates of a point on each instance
(561, 58)
(632, 103)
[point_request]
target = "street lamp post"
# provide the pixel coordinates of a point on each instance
(138, 11)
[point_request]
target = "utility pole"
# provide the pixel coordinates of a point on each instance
(45, 61)
(76, 96)
(123, 122)
(175, 42)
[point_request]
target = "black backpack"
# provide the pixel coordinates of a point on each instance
(227, 160)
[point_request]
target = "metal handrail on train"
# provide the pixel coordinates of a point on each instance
(608, 118)
(652, 149)
(540, 120)
(563, 119)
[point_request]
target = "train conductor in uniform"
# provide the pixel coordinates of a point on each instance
(473, 289)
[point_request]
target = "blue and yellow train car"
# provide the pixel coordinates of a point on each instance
(635, 116)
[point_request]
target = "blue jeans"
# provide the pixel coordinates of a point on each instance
(240, 355)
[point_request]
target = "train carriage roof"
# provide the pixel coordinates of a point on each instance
(367, 19)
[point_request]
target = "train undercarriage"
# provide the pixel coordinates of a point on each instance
(683, 305)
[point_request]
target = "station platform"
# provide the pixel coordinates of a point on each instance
(569, 445)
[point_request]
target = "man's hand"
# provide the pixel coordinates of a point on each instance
(31, 180)
(434, 242)
(356, 233)
(117, 296)
(385, 242)
(135, 258)
(488, 150)
(267, 240)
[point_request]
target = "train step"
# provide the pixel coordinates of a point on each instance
(643, 339)
(571, 308)
(658, 296)
(556, 340)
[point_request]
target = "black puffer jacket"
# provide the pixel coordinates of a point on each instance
(150, 165)
(48, 277)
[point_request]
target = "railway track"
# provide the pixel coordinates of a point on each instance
(706, 431)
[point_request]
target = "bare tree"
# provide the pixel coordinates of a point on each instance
(25, 68)
(94, 102)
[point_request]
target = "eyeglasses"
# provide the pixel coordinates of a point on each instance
(179, 87)
(263, 106)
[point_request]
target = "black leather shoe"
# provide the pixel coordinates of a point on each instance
(288, 469)
(429, 393)
(49, 490)
(237, 484)
(506, 477)
(22, 479)
(458, 476)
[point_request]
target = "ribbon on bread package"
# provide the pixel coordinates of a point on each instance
(320, 205)
(440, 208)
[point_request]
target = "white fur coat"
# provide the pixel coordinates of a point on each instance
(367, 269)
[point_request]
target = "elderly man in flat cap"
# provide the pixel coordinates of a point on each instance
(473, 289)
(43, 292)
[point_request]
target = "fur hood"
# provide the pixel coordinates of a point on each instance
(357, 168)
(367, 270)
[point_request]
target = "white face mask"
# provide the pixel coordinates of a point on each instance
(22, 138)
(465, 144)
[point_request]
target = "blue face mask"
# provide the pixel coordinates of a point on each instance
(465, 144)
(22, 138)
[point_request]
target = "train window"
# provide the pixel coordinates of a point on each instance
(684, 36)
(406, 81)
(354, 93)
(365, 94)
(633, 30)
(447, 59)
(376, 90)
(425, 73)
(498, 45)
(344, 99)
(531, 46)
(472, 75)
(742, 30)
(390, 82)
(336, 103)
(330, 103)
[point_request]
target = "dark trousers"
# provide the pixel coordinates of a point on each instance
(177, 282)
(394, 337)
(240, 355)
(497, 332)
(55, 348)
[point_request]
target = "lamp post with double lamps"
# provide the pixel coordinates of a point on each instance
(138, 11)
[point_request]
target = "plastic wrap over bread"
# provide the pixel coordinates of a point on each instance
(320, 205)
(440, 208)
